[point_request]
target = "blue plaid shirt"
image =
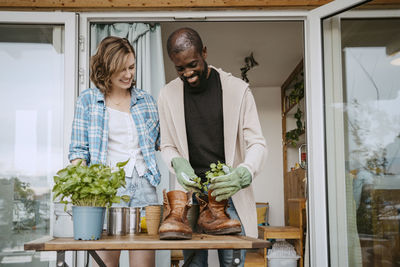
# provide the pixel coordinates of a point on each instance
(89, 138)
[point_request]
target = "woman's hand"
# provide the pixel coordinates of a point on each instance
(76, 161)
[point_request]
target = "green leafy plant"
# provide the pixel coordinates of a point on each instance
(292, 137)
(216, 169)
(298, 91)
(94, 185)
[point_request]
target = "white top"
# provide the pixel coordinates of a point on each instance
(123, 142)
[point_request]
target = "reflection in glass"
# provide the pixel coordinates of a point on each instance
(31, 111)
(371, 113)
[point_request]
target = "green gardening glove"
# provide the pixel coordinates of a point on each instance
(185, 174)
(225, 186)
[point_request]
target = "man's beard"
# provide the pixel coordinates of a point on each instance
(202, 79)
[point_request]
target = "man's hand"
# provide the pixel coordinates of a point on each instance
(185, 174)
(227, 185)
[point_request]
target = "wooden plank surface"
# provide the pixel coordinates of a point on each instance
(254, 259)
(281, 232)
(294, 187)
(144, 241)
(125, 5)
(308, 4)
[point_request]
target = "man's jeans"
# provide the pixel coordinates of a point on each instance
(225, 256)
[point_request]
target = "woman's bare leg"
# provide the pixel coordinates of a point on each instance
(110, 258)
(142, 258)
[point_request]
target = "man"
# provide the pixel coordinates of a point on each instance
(206, 116)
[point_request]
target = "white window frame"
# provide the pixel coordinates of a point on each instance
(162, 16)
(317, 204)
(70, 22)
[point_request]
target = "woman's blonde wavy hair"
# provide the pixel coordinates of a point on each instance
(109, 59)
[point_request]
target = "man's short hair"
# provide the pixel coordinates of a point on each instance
(183, 39)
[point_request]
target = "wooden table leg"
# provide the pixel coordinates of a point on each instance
(299, 250)
(265, 257)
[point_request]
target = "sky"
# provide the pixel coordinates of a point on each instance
(31, 103)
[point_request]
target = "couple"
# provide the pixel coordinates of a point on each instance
(206, 115)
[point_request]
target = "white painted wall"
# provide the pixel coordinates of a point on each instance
(268, 185)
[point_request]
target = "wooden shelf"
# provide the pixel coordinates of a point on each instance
(291, 110)
(294, 187)
(299, 142)
(293, 180)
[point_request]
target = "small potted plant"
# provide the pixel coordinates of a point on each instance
(90, 189)
(216, 169)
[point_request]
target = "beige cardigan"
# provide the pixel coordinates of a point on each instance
(244, 142)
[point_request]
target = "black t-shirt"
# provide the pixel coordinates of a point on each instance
(205, 124)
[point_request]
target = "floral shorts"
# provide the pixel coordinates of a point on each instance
(140, 191)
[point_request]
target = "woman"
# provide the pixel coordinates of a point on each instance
(115, 121)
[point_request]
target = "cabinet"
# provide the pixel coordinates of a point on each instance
(293, 136)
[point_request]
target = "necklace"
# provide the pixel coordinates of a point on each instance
(123, 101)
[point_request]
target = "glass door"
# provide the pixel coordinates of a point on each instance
(354, 135)
(362, 98)
(37, 84)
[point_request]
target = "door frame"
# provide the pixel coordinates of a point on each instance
(317, 206)
(70, 22)
(334, 123)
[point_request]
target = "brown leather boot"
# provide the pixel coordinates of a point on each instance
(175, 224)
(213, 218)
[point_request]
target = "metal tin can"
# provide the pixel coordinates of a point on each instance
(118, 221)
(133, 220)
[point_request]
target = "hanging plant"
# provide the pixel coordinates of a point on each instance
(292, 137)
(250, 63)
(298, 92)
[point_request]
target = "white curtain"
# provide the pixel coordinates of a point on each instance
(146, 40)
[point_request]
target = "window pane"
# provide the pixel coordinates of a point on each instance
(31, 111)
(370, 112)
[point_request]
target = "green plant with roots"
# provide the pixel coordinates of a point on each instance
(216, 169)
(94, 185)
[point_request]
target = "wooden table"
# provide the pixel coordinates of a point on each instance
(145, 242)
